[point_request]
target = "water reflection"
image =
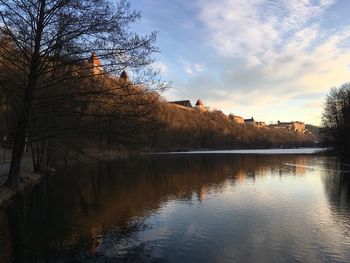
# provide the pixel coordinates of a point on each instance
(337, 188)
(146, 208)
(337, 184)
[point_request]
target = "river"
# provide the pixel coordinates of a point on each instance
(185, 208)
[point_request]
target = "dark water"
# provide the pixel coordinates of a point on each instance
(185, 208)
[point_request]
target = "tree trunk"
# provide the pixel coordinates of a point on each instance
(17, 154)
(20, 135)
(21, 129)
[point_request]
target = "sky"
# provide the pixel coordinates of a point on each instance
(268, 59)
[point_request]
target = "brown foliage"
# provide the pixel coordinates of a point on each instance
(186, 128)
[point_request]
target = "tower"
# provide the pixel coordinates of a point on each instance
(124, 77)
(200, 105)
(95, 63)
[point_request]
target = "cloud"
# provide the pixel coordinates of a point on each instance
(252, 27)
(192, 69)
(270, 53)
(161, 67)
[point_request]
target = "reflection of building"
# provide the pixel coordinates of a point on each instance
(300, 165)
(241, 176)
(96, 238)
(203, 193)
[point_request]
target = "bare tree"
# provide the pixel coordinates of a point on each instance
(336, 119)
(51, 42)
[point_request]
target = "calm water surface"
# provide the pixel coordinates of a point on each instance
(185, 208)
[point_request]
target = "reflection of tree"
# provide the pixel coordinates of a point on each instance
(5, 245)
(336, 182)
(82, 201)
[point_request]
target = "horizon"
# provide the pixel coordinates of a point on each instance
(273, 61)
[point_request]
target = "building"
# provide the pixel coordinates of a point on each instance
(184, 103)
(286, 125)
(124, 76)
(200, 105)
(237, 119)
(299, 126)
(95, 62)
(250, 121)
(260, 124)
(296, 126)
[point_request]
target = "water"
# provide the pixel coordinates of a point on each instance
(185, 208)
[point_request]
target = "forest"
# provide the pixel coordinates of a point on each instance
(185, 129)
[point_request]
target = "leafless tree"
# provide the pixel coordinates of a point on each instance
(336, 119)
(54, 91)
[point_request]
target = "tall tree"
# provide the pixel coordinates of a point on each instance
(336, 119)
(52, 41)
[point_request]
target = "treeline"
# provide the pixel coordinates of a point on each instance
(336, 119)
(185, 129)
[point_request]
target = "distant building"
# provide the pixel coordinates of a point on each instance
(260, 124)
(124, 76)
(237, 119)
(250, 121)
(95, 63)
(200, 105)
(184, 103)
(296, 126)
(299, 126)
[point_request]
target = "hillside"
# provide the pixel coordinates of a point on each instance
(315, 130)
(186, 128)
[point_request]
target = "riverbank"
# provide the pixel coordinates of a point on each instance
(27, 180)
(292, 151)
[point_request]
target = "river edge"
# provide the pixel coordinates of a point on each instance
(27, 181)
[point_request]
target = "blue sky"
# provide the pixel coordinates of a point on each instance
(271, 59)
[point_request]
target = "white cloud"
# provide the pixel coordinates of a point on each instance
(251, 27)
(271, 51)
(192, 69)
(161, 67)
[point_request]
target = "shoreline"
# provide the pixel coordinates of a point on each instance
(27, 181)
(272, 151)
